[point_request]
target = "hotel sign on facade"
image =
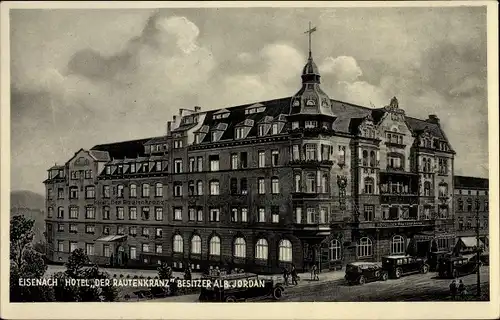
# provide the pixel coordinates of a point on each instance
(142, 202)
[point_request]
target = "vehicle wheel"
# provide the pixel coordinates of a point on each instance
(230, 299)
(398, 273)
(425, 269)
(385, 276)
(277, 293)
(362, 280)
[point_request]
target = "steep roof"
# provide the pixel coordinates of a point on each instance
(124, 149)
(464, 182)
(100, 155)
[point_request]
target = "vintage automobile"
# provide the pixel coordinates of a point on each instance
(363, 272)
(239, 287)
(452, 267)
(434, 257)
(397, 266)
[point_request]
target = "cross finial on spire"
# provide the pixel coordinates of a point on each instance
(310, 31)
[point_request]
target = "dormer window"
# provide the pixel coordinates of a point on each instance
(295, 125)
(311, 124)
(177, 144)
(262, 130)
(108, 170)
(197, 138)
(275, 128)
(240, 133)
(132, 168)
(214, 136)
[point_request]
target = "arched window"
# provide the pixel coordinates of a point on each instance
(364, 247)
(178, 243)
(215, 246)
(214, 188)
(297, 183)
(311, 183)
(261, 249)
(145, 190)
(199, 188)
(365, 158)
(196, 244)
(275, 185)
(285, 250)
(240, 248)
(372, 158)
(334, 250)
(324, 183)
(427, 188)
(159, 190)
(133, 190)
(397, 245)
(369, 185)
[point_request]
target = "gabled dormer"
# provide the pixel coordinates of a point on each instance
(264, 125)
(278, 124)
(242, 129)
(200, 135)
(221, 114)
(367, 128)
(217, 131)
(255, 108)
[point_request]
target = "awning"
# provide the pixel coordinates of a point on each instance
(471, 242)
(112, 238)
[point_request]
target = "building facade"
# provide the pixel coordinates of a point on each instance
(299, 180)
(471, 200)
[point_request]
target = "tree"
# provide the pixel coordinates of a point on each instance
(76, 263)
(164, 271)
(21, 234)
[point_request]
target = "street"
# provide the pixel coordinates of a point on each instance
(416, 287)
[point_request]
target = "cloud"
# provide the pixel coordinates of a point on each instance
(343, 68)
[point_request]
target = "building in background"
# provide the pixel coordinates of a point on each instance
(470, 192)
(299, 180)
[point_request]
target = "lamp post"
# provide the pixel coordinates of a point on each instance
(478, 250)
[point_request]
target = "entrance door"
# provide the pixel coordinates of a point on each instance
(120, 256)
(422, 248)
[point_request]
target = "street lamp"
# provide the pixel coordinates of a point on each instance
(478, 250)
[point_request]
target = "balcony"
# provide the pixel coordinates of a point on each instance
(311, 163)
(311, 132)
(396, 223)
(310, 195)
(399, 198)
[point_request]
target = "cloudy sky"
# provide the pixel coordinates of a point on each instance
(84, 77)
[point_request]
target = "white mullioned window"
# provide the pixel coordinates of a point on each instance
(178, 243)
(285, 250)
(215, 246)
(365, 247)
(261, 249)
(240, 248)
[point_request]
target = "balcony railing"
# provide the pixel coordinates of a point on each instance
(310, 195)
(311, 163)
(313, 131)
(400, 199)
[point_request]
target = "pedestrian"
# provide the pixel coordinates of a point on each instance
(294, 275)
(313, 272)
(285, 275)
(187, 273)
(461, 289)
(316, 273)
(453, 289)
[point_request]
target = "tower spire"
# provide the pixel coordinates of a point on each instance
(309, 32)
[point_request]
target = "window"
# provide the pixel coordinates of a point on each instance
(120, 191)
(132, 231)
(261, 249)
(233, 186)
(199, 187)
(90, 229)
(323, 215)
(311, 152)
(240, 133)
(262, 186)
(311, 215)
(311, 183)
(89, 212)
(177, 213)
(285, 250)
(119, 213)
(178, 243)
(133, 190)
(145, 232)
(60, 193)
(191, 164)
(486, 205)
(50, 212)
(105, 213)
(275, 185)
(158, 166)
(324, 183)
(297, 183)
(192, 214)
(89, 192)
(60, 246)
(145, 190)
(443, 166)
(133, 253)
(177, 189)
(177, 144)
(298, 215)
(262, 130)
(158, 248)
(60, 227)
(159, 190)
(145, 167)
(262, 215)
(372, 159)
(427, 188)
(214, 246)
(244, 214)
(369, 212)
(196, 244)
(145, 213)
(73, 246)
(365, 158)
(200, 214)
(364, 247)
(89, 249)
(214, 214)
(398, 245)
(73, 212)
(159, 213)
(60, 212)
(262, 159)
(234, 161)
(244, 159)
(395, 161)
(199, 164)
(295, 152)
(214, 188)
(240, 248)
(275, 154)
(132, 168)
(177, 166)
(120, 231)
(341, 155)
(73, 192)
(443, 190)
(145, 247)
(234, 215)
(460, 205)
(275, 214)
(243, 186)
(105, 230)
(334, 250)
(311, 124)
(295, 125)
(214, 162)
(369, 185)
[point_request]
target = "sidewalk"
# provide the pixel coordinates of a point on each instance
(305, 278)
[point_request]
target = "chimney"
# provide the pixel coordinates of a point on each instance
(169, 128)
(174, 119)
(433, 119)
(197, 109)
